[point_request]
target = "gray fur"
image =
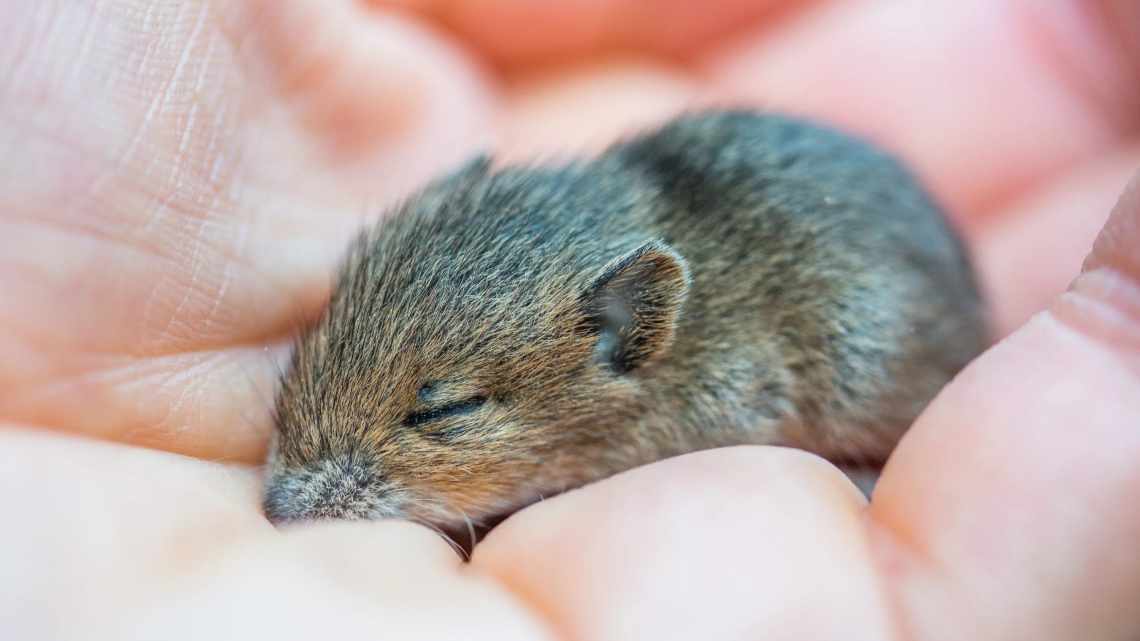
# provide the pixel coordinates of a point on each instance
(729, 278)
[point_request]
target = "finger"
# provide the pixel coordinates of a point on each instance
(1009, 510)
(91, 528)
(736, 543)
(111, 542)
(382, 100)
(988, 99)
(520, 33)
(1028, 254)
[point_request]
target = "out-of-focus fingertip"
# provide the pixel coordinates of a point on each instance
(1104, 301)
(1118, 245)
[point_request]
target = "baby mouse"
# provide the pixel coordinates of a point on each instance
(731, 277)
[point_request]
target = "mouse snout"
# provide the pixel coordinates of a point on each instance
(327, 491)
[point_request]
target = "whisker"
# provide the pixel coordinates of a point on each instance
(470, 527)
(429, 502)
(450, 541)
(473, 526)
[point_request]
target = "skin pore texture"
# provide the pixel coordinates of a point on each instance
(189, 174)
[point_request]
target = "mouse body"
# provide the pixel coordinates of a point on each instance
(731, 277)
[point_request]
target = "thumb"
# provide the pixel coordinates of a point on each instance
(1010, 509)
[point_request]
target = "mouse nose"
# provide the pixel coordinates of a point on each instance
(283, 503)
(326, 491)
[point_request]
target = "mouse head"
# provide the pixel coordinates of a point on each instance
(468, 365)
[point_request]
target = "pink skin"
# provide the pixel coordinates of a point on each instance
(181, 179)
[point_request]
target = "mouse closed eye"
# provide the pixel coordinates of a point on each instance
(434, 414)
(437, 407)
(437, 399)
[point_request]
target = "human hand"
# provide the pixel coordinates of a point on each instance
(188, 175)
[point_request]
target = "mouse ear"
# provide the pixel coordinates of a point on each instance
(634, 304)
